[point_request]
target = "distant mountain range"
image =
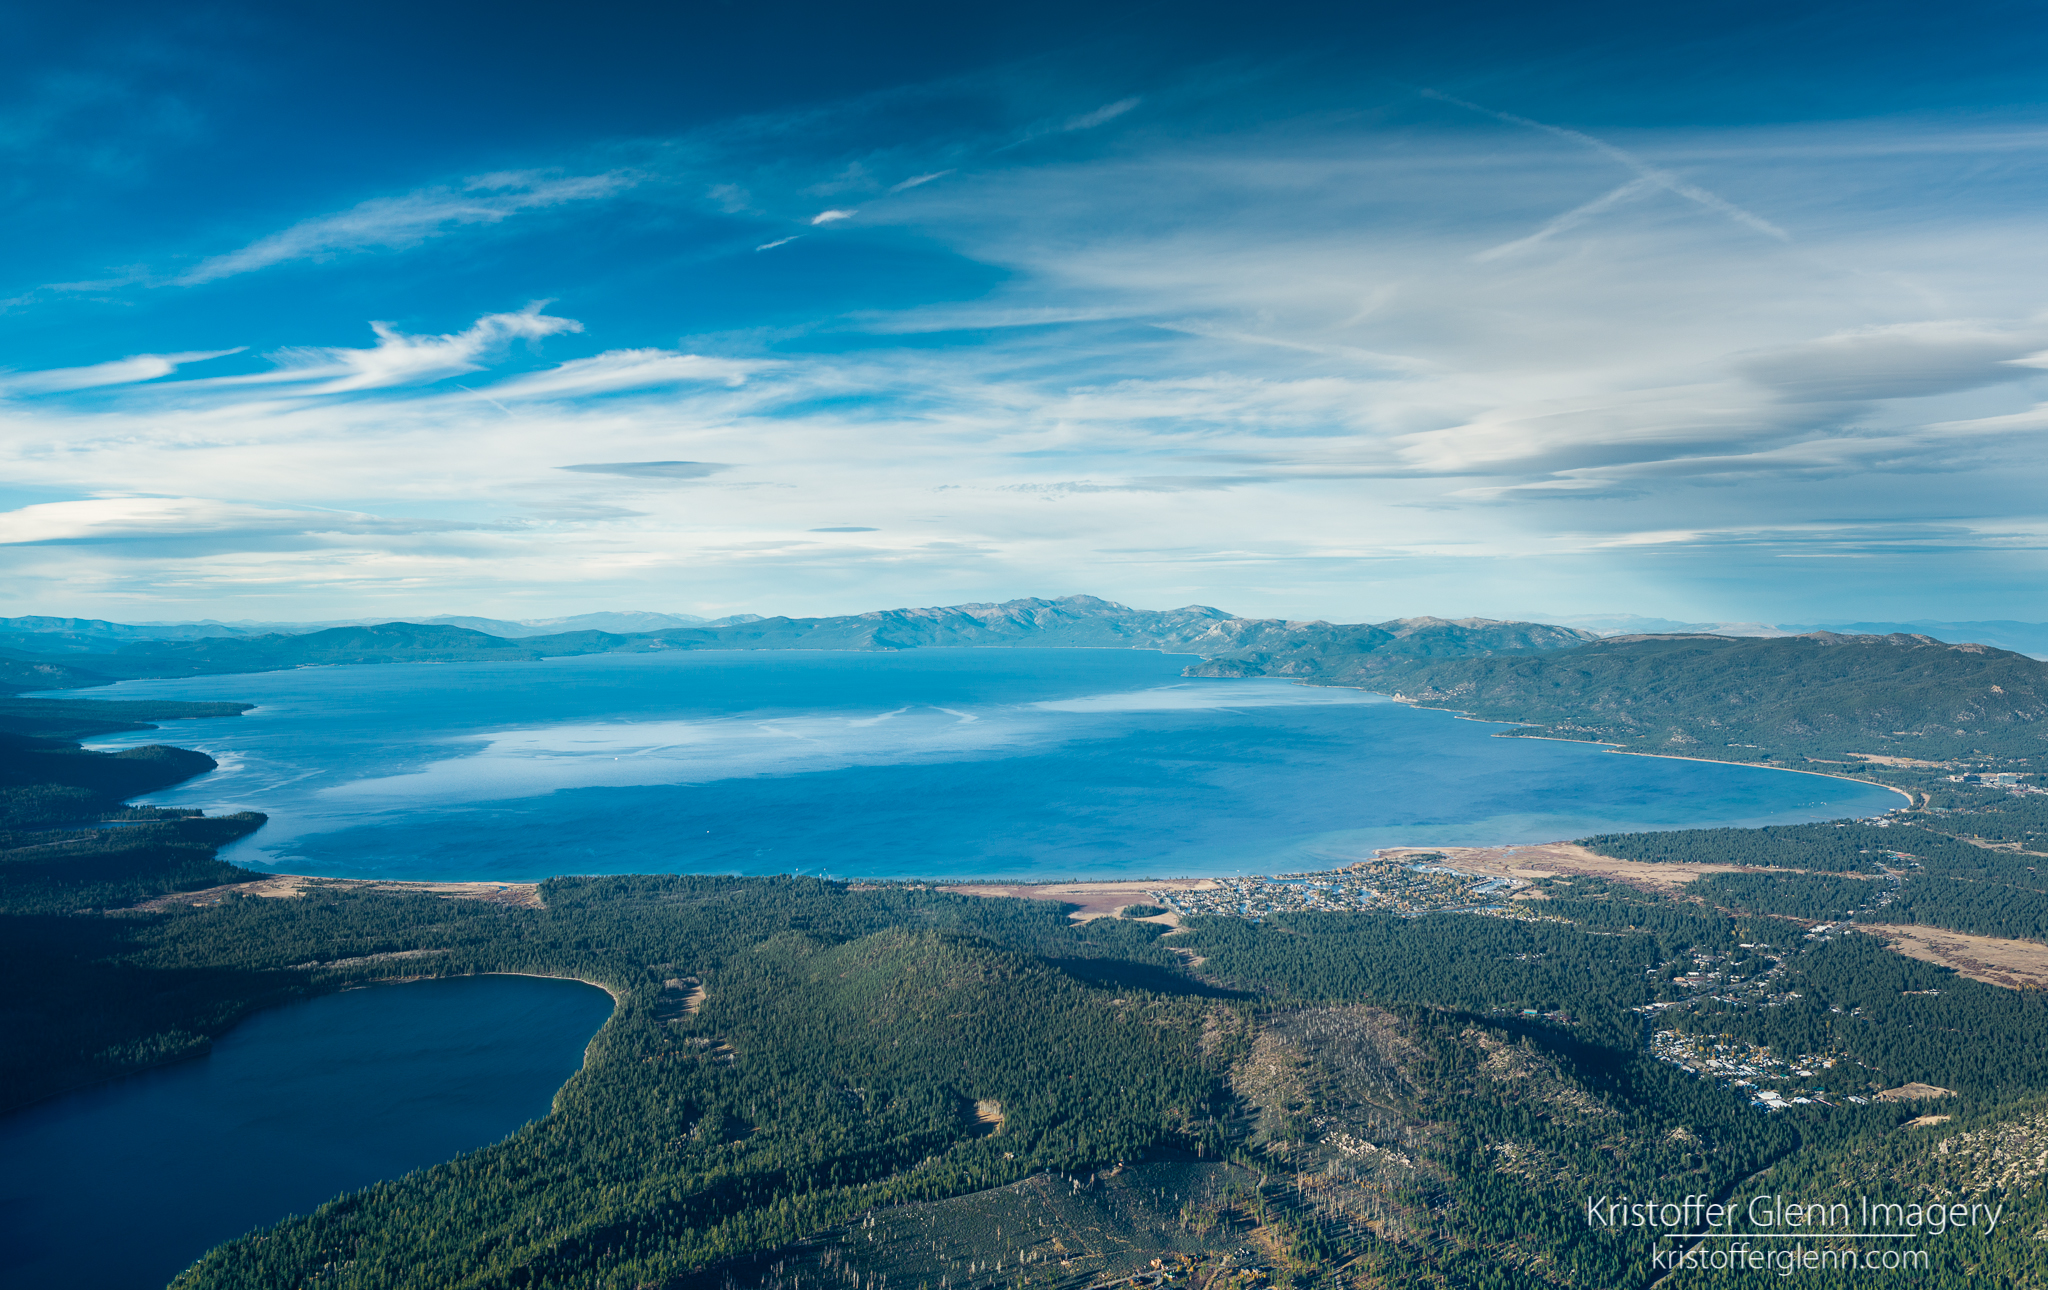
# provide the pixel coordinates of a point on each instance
(85, 635)
(1722, 694)
(116, 650)
(54, 653)
(45, 635)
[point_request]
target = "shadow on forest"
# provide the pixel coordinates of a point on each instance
(1119, 974)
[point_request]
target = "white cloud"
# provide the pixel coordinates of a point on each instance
(395, 223)
(832, 216)
(108, 517)
(399, 359)
(627, 369)
(121, 371)
(1894, 361)
(2032, 420)
(110, 520)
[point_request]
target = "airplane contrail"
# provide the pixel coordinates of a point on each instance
(1661, 178)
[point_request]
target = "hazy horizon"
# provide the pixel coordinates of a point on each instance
(2027, 638)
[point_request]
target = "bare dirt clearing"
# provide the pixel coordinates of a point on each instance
(1915, 1092)
(1096, 899)
(525, 895)
(1562, 860)
(2016, 965)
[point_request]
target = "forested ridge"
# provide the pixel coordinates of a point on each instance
(1730, 698)
(68, 841)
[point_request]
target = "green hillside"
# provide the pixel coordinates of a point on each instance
(1741, 697)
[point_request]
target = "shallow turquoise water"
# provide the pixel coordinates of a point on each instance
(120, 1187)
(1016, 763)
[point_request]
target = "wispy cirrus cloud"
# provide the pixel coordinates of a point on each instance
(400, 359)
(120, 371)
(919, 181)
(104, 521)
(629, 369)
(1103, 115)
(1044, 128)
(1896, 361)
(397, 223)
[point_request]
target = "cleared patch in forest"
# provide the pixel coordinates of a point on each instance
(283, 886)
(1136, 1221)
(2016, 965)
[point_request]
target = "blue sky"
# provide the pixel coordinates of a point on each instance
(1735, 312)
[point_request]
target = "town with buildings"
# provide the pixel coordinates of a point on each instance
(1410, 886)
(1736, 1063)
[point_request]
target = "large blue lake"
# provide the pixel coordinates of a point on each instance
(1014, 763)
(118, 1188)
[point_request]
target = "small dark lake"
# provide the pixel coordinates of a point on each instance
(119, 1188)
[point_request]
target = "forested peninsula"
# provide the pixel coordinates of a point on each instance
(892, 1085)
